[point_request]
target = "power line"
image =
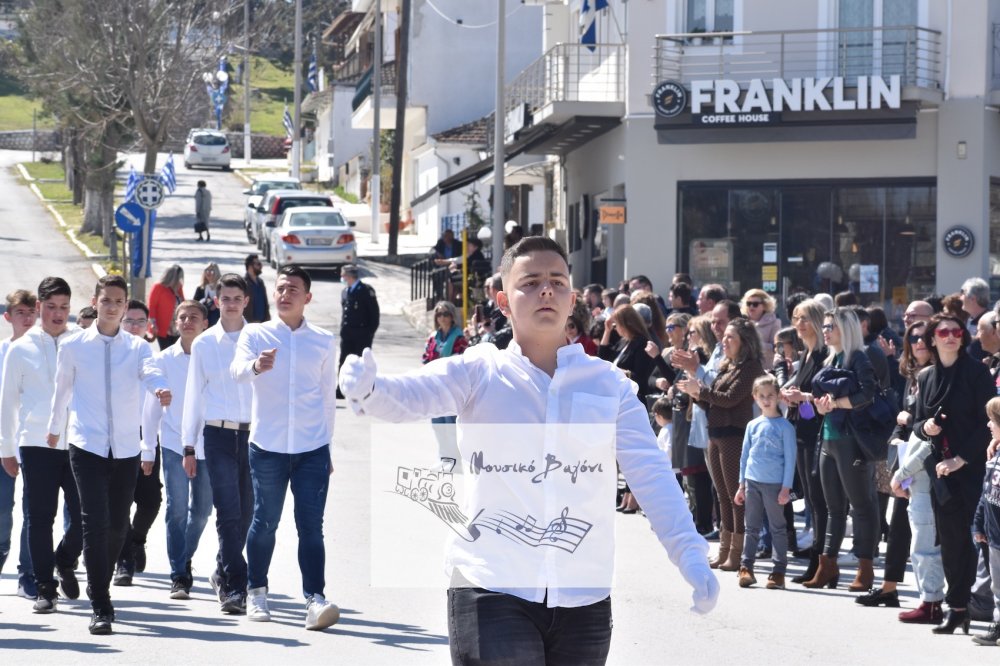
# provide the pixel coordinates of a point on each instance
(462, 24)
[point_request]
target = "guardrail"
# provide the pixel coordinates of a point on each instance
(429, 282)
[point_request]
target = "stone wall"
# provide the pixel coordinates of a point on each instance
(42, 140)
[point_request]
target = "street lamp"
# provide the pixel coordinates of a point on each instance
(217, 85)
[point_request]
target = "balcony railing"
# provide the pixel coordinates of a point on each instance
(911, 52)
(364, 88)
(570, 73)
(351, 68)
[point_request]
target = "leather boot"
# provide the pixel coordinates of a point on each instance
(827, 573)
(725, 541)
(928, 612)
(810, 571)
(864, 578)
(735, 553)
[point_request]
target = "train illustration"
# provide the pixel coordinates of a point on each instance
(423, 484)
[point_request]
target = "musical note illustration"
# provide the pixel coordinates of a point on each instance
(565, 532)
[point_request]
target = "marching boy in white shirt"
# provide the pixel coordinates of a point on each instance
(100, 376)
(516, 599)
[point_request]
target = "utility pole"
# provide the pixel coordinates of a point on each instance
(246, 81)
(297, 133)
(376, 177)
(499, 196)
(402, 63)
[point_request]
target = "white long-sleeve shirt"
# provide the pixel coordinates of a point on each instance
(505, 393)
(211, 393)
(295, 402)
(29, 376)
(101, 380)
(166, 421)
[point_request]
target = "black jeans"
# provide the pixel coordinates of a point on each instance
(495, 628)
(46, 471)
(898, 549)
(106, 487)
(958, 553)
(847, 476)
(227, 458)
(701, 485)
(148, 498)
(812, 489)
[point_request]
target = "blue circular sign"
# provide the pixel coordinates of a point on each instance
(130, 217)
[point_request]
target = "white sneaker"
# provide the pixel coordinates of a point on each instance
(805, 539)
(257, 610)
(848, 559)
(320, 613)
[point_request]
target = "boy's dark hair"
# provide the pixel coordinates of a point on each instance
(21, 297)
(249, 260)
(683, 278)
(664, 407)
(111, 281)
(793, 301)
(198, 305)
(232, 280)
(845, 298)
(862, 314)
(294, 270)
(681, 290)
(641, 279)
(611, 293)
(527, 245)
(136, 304)
(593, 288)
(53, 286)
(87, 313)
(715, 293)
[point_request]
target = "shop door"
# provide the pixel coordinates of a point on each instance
(755, 236)
(805, 242)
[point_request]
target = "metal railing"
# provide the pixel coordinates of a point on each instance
(429, 282)
(912, 52)
(351, 68)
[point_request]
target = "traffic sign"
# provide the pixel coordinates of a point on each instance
(130, 217)
(149, 193)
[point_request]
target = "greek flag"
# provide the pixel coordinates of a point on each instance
(131, 185)
(168, 176)
(588, 21)
(312, 77)
(286, 120)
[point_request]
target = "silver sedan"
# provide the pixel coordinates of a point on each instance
(313, 236)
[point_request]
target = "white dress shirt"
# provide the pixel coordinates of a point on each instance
(294, 403)
(101, 379)
(211, 393)
(503, 388)
(29, 376)
(166, 421)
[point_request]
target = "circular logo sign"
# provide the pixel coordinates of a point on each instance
(959, 241)
(669, 99)
(149, 193)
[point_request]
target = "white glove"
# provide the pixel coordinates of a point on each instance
(706, 588)
(357, 375)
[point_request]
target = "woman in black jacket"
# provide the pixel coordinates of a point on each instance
(630, 354)
(951, 413)
(807, 317)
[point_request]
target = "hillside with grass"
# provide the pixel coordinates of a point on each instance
(16, 108)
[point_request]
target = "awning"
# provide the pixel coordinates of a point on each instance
(526, 139)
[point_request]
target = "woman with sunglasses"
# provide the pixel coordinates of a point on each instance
(758, 306)
(912, 531)
(950, 411)
(846, 474)
(577, 334)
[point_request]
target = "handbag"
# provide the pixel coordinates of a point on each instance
(200, 227)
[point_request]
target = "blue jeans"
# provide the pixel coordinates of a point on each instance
(189, 503)
(487, 627)
(309, 476)
(228, 464)
(7, 483)
(761, 501)
(925, 552)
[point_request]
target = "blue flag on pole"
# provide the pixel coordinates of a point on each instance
(286, 120)
(131, 185)
(168, 177)
(312, 77)
(588, 21)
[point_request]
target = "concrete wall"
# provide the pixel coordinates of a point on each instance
(347, 141)
(28, 140)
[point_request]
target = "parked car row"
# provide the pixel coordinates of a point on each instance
(290, 225)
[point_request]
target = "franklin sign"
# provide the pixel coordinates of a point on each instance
(722, 96)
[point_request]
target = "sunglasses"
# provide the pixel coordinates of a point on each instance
(914, 339)
(828, 327)
(945, 332)
(754, 304)
(671, 328)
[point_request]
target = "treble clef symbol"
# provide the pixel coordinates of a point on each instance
(558, 526)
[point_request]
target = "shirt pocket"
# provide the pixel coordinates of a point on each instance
(593, 408)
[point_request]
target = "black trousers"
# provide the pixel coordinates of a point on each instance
(701, 486)
(148, 497)
(106, 487)
(898, 549)
(848, 477)
(46, 472)
(958, 553)
(354, 341)
(813, 489)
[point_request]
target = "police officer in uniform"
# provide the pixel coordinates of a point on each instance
(360, 316)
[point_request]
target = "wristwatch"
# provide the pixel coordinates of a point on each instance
(188, 451)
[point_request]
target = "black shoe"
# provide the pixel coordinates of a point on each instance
(47, 599)
(711, 535)
(876, 597)
(235, 604)
(100, 624)
(67, 582)
(180, 588)
(124, 573)
(139, 556)
(953, 620)
(218, 584)
(991, 637)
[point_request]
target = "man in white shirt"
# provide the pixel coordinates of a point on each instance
(292, 366)
(216, 423)
(515, 604)
(20, 314)
(100, 375)
(25, 403)
(189, 500)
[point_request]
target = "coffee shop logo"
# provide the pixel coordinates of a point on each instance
(959, 241)
(670, 98)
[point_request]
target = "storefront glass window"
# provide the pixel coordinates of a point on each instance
(710, 15)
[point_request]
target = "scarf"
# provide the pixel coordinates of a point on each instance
(446, 343)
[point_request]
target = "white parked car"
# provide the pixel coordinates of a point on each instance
(205, 147)
(315, 236)
(255, 194)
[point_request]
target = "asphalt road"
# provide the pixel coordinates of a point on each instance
(394, 625)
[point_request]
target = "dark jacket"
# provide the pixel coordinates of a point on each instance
(987, 521)
(259, 292)
(632, 358)
(360, 317)
(729, 400)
